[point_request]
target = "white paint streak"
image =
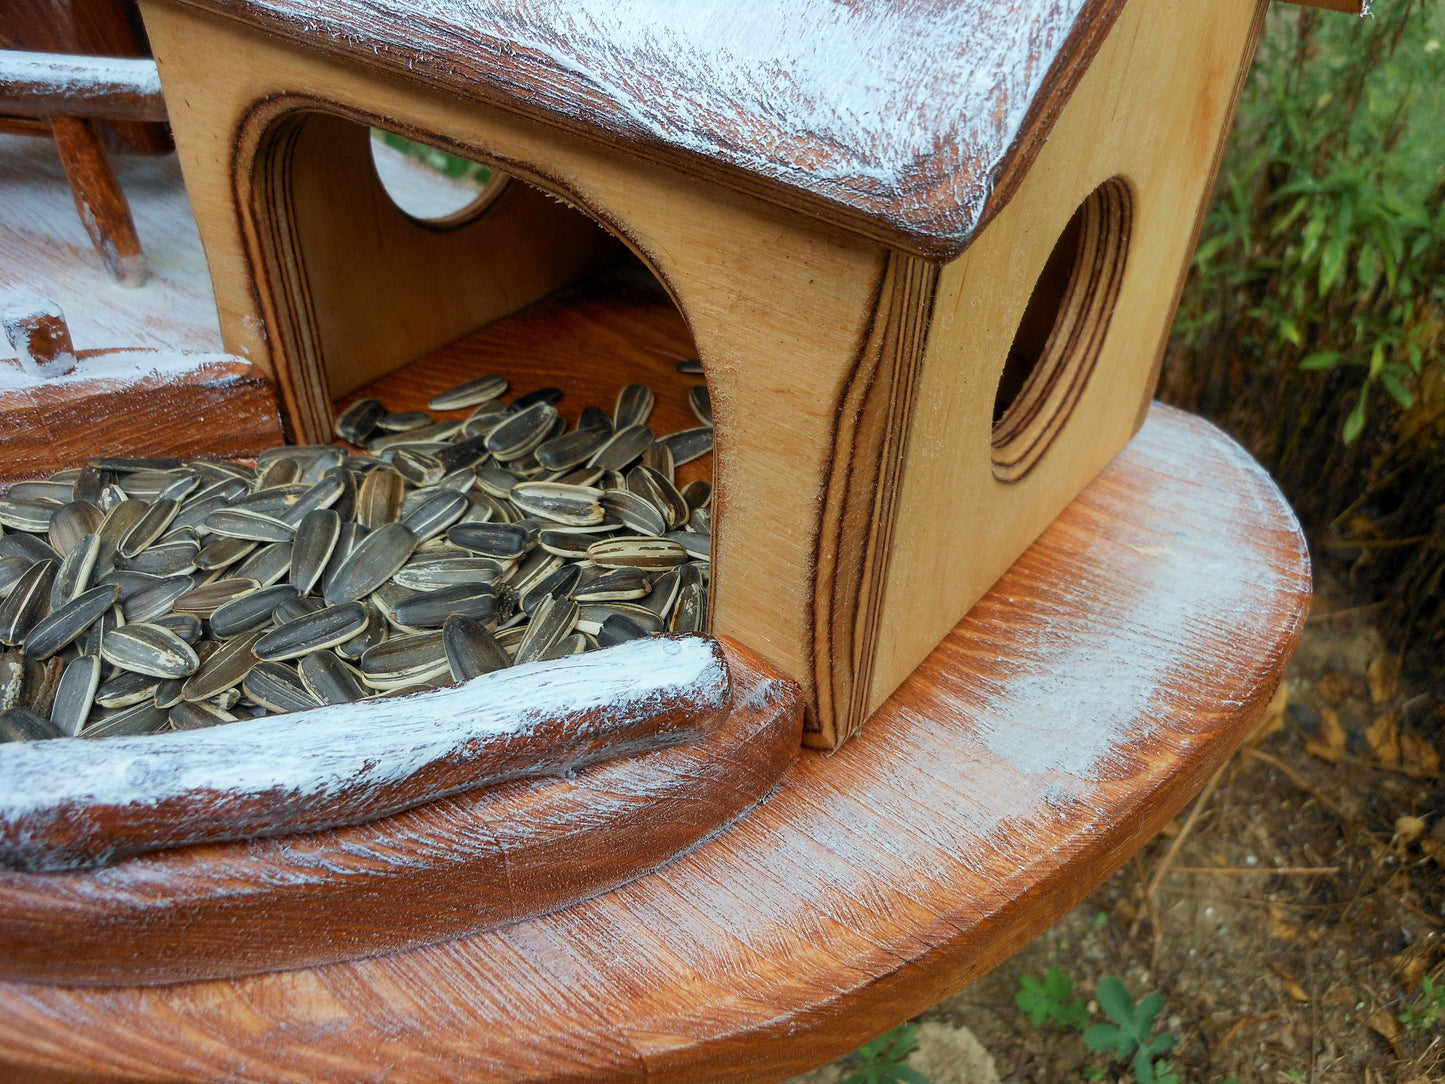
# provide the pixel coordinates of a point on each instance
(64, 75)
(121, 368)
(45, 250)
(866, 103)
(330, 749)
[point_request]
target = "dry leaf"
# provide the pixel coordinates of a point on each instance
(1278, 926)
(1291, 985)
(1407, 830)
(1273, 717)
(1334, 687)
(1386, 1025)
(1417, 756)
(1384, 738)
(1344, 995)
(1383, 675)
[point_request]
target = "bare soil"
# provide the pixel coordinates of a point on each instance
(1298, 904)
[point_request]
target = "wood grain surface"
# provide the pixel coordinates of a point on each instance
(141, 403)
(1062, 723)
(99, 200)
(894, 119)
(441, 870)
(60, 85)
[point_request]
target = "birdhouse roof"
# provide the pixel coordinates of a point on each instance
(909, 121)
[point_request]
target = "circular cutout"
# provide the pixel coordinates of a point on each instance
(430, 186)
(1062, 330)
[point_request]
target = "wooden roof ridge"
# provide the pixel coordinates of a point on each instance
(909, 121)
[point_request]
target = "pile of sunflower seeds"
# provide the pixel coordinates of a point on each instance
(140, 595)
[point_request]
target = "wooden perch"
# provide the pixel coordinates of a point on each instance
(1354, 7)
(46, 85)
(74, 804)
(102, 206)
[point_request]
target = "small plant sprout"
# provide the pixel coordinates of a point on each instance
(1429, 1007)
(1131, 1035)
(884, 1060)
(1051, 1000)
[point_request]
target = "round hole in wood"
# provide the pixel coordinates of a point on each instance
(1062, 330)
(430, 186)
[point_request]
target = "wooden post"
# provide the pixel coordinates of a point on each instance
(40, 337)
(99, 201)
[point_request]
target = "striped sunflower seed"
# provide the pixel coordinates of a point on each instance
(75, 694)
(624, 447)
(324, 628)
(379, 497)
(371, 564)
(148, 528)
(149, 649)
(71, 523)
(11, 569)
(551, 621)
(502, 541)
(572, 449)
(523, 432)
(267, 565)
(311, 549)
(689, 444)
(187, 715)
(359, 420)
(248, 524)
(169, 693)
(64, 626)
(143, 718)
(436, 515)
(250, 611)
(701, 402)
(204, 600)
(22, 724)
(572, 505)
(634, 405)
(224, 668)
(430, 609)
(374, 633)
(471, 650)
(619, 585)
(277, 687)
(155, 601)
(480, 390)
(405, 660)
(23, 515)
(26, 603)
(635, 510)
(329, 679)
(656, 553)
(75, 571)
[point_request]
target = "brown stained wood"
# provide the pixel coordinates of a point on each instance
(40, 337)
(99, 200)
(134, 403)
(438, 871)
(73, 805)
(592, 340)
(89, 28)
(1063, 722)
(1354, 7)
(58, 85)
(952, 95)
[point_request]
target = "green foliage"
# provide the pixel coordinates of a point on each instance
(1131, 1035)
(459, 169)
(1429, 1007)
(1324, 247)
(1052, 1000)
(883, 1061)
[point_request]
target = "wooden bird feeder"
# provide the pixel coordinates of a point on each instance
(928, 258)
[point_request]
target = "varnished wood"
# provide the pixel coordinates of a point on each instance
(87, 28)
(1354, 7)
(99, 200)
(915, 176)
(54, 84)
(40, 337)
(208, 405)
(1063, 722)
(438, 871)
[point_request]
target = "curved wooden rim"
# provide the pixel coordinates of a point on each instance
(438, 871)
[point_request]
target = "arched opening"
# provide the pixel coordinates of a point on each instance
(431, 186)
(1062, 330)
(487, 350)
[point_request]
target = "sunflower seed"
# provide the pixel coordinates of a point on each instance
(374, 633)
(373, 562)
(11, 569)
(697, 546)
(658, 457)
(25, 515)
(327, 492)
(221, 552)
(169, 693)
(97, 633)
(551, 621)
(166, 559)
(22, 724)
(430, 609)
(311, 550)
(572, 449)
(636, 511)
(148, 528)
(186, 626)
(356, 422)
(690, 612)
(196, 716)
(405, 422)
(541, 395)
(26, 603)
(248, 524)
(277, 687)
(480, 390)
(417, 467)
(634, 404)
(436, 515)
(32, 549)
(324, 628)
(143, 718)
(690, 365)
(502, 541)
(64, 626)
(624, 447)
(405, 660)
(523, 432)
(378, 498)
(204, 600)
(295, 606)
(75, 694)
(471, 650)
(660, 493)
(329, 679)
(71, 523)
(267, 565)
(689, 444)
(155, 601)
(224, 669)
(126, 689)
(657, 553)
(618, 629)
(149, 649)
(558, 584)
(74, 574)
(559, 503)
(621, 584)
(593, 615)
(249, 611)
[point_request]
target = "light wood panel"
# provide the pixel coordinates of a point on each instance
(1062, 723)
(1153, 109)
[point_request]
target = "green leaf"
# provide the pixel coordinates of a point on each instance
(1144, 1015)
(1397, 389)
(1355, 423)
(1321, 359)
(1107, 1038)
(1113, 997)
(1332, 259)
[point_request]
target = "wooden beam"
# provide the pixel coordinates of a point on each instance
(1354, 7)
(56, 85)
